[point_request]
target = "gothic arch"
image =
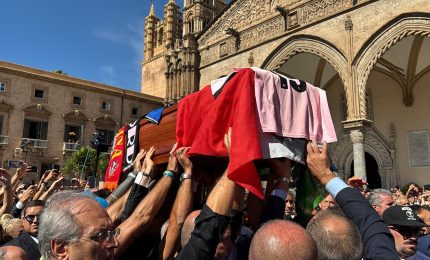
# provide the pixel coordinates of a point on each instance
(374, 144)
(394, 31)
(308, 44)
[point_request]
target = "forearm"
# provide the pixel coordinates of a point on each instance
(14, 182)
(221, 198)
(123, 188)
(47, 194)
(7, 201)
(137, 193)
(40, 191)
(143, 215)
(115, 210)
(181, 208)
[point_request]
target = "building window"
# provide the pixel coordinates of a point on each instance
(1, 124)
(134, 111)
(106, 105)
(35, 129)
(77, 100)
(3, 86)
(38, 93)
(106, 136)
(72, 133)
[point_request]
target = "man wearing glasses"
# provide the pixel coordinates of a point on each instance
(406, 228)
(75, 226)
(28, 239)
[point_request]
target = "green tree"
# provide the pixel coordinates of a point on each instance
(75, 164)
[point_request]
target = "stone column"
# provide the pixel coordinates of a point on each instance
(357, 138)
(167, 98)
(174, 79)
(183, 83)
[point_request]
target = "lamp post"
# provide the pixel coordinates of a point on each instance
(96, 143)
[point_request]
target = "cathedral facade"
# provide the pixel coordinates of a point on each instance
(371, 56)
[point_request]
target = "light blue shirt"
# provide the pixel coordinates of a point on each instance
(335, 185)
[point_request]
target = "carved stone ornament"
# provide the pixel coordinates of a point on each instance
(105, 119)
(76, 116)
(356, 136)
(5, 106)
(348, 23)
(319, 9)
(38, 110)
(241, 14)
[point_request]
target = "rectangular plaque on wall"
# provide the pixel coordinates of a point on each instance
(418, 146)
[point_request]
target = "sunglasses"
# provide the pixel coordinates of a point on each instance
(410, 232)
(31, 218)
(106, 236)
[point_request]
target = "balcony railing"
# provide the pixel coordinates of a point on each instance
(36, 143)
(71, 147)
(4, 140)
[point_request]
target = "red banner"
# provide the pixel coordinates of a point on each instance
(113, 172)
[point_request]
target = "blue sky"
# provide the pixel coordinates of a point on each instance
(96, 40)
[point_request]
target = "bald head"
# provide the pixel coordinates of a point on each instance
(188, 227)
(281, 239)
(12, 252)
(336, 236)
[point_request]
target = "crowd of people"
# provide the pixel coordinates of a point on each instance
(188, 212)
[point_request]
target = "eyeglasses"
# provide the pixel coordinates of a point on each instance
(31, 218)
(409, 232)
(105, 236)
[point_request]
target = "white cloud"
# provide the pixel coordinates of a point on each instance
(131, 36)
(108, 74)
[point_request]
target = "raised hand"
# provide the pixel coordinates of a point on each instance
(148, 163)
(173, 160)
(357, 182)
(185, 162)
(5, 178)
(137, 164)
(317, 161)
(22, 170)
(52, 175)
(28, 194)
(57, 183)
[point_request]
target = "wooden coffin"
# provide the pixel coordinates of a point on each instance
(161, 136)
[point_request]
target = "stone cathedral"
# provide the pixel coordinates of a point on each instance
(372, 57)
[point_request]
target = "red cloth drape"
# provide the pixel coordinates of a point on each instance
(202, 122)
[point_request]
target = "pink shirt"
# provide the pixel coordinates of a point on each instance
(292, 108)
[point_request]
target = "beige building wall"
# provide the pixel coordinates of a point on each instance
(389, 108)
(153, 77)
(18, 103)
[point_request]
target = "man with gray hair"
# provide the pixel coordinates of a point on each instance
(380, 200)
(74, 225)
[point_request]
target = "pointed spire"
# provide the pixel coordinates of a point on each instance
(152, 10)
(171, 2)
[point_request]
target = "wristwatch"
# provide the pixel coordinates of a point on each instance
(284, 179)
(185, 176)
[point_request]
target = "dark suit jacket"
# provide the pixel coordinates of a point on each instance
(27, 244)
(377, 239)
